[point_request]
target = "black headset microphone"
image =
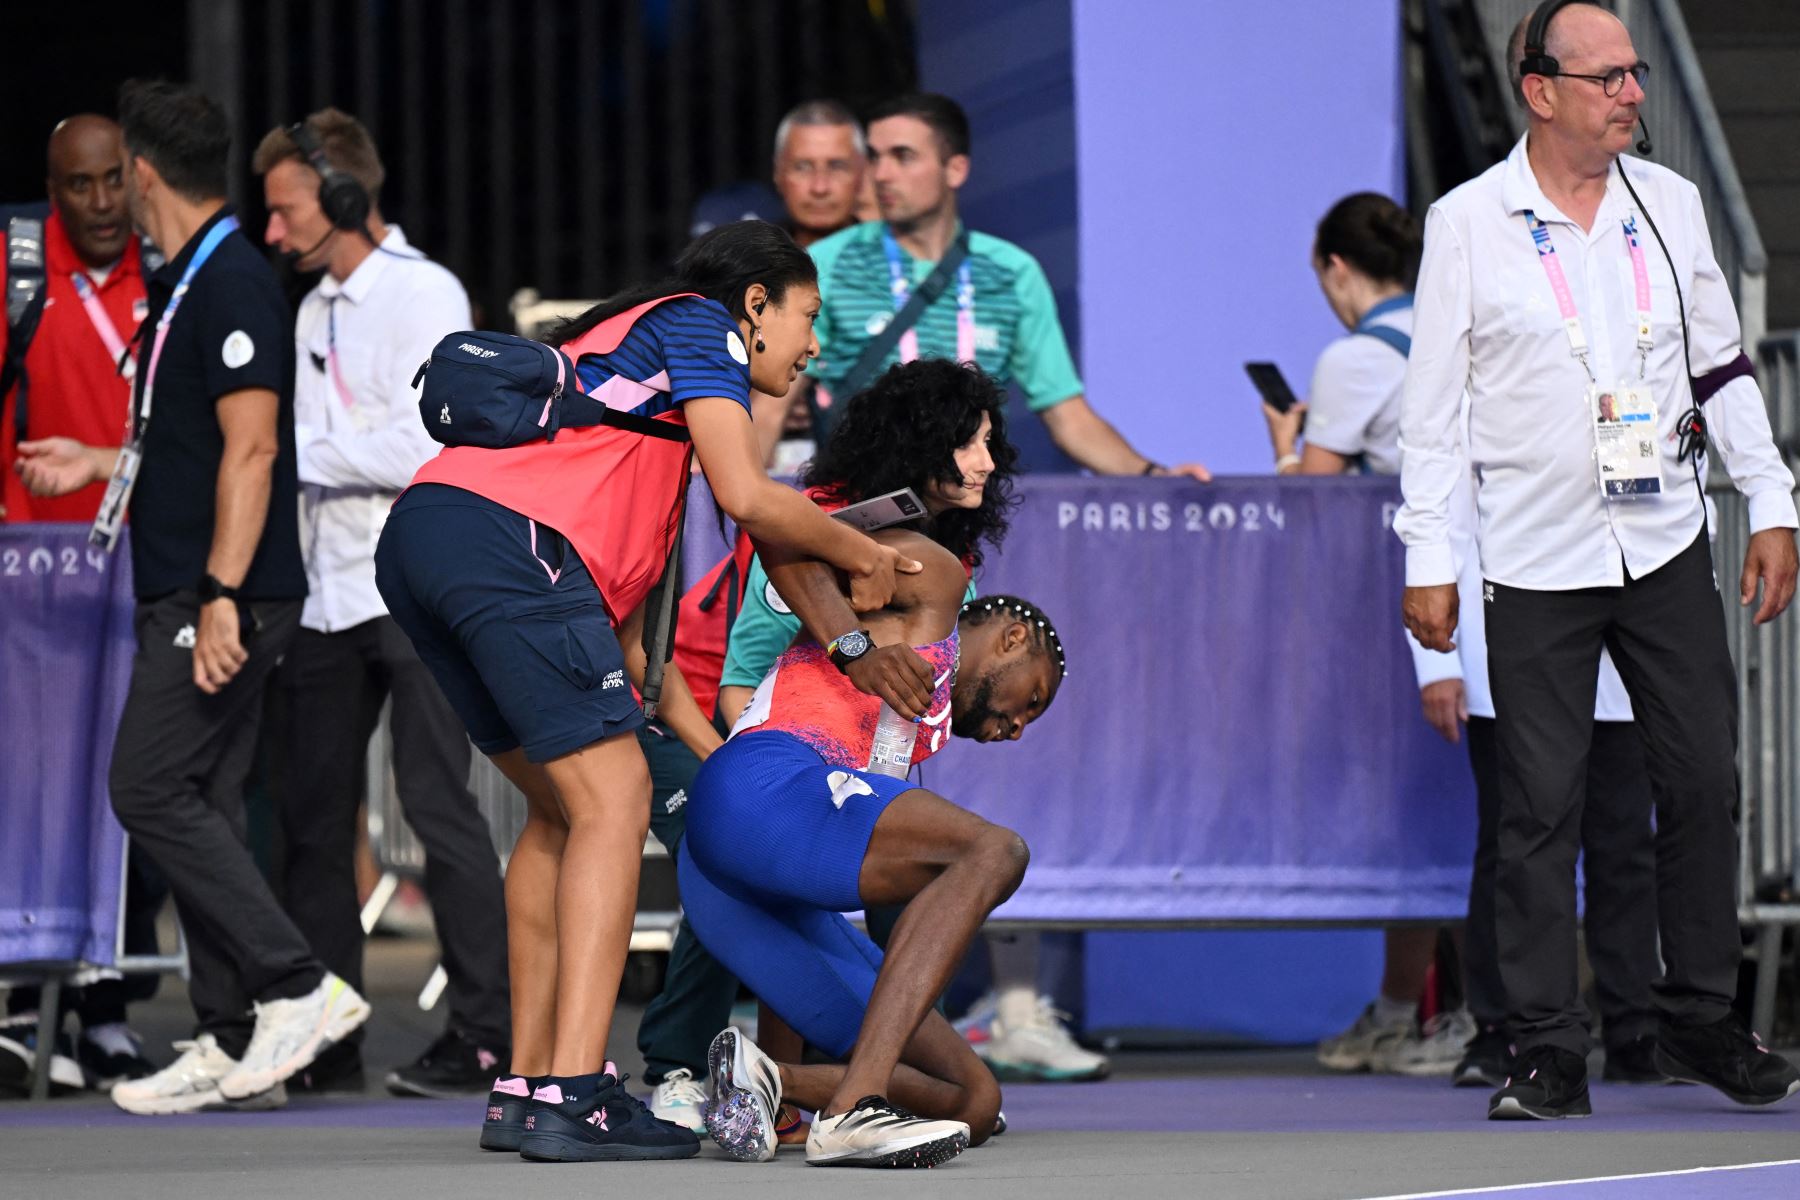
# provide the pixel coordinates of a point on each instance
(343, 199)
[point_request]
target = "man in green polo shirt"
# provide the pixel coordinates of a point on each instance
(996, 308)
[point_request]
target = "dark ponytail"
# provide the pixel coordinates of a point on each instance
(1374, 235)
(720, 264)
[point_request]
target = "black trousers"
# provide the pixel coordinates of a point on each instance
(1619, 869)
(1666, 632)
(177, 781)
(333, 686)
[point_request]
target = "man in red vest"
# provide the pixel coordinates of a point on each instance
(64, 379)
(81, 267)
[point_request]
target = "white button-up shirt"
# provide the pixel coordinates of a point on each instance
(360, 438)
(1487, 321)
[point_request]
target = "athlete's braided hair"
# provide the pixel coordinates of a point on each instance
(1043, 635)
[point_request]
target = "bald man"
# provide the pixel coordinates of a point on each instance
(63, 377)
(73, 387)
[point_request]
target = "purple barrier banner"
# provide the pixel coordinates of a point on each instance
(1239, 736)
(66, 645)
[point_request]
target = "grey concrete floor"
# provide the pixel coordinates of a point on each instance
(1231, 1124)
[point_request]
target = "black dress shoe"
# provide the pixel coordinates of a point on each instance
(1634, 1062)
(1548, 1083)
(1727, 1056)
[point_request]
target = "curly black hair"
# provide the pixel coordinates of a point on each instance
(903, 431)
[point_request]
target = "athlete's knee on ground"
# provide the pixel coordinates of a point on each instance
(981, 1106)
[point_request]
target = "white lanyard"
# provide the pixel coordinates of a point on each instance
(1565, 298)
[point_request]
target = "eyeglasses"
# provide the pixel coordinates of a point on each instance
(1613, 82)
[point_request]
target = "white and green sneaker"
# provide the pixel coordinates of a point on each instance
(290, 1033)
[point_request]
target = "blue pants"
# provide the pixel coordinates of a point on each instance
(774, 849)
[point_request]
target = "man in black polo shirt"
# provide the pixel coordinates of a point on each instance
(217, 570)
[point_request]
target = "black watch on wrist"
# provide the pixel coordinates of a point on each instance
(846, 648)
(211, 589)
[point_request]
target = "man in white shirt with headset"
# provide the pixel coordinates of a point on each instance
(362, 333)
(1560, 276)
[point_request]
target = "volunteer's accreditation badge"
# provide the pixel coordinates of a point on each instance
(111, 517)
(1625, 441)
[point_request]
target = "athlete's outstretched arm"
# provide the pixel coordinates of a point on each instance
(775, 515)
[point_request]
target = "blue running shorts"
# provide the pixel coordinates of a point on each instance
(506, 616)
(774, 848)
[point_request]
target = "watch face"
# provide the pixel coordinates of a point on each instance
(853, 645)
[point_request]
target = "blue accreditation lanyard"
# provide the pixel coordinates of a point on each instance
(111, 517)
(902, 292)
(217, 234)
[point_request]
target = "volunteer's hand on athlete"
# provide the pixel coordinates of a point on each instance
(56, 466)
(218, 651)
(873, 587)
(898, 675)
(1771, 559)
(1446, 706)
(1430, 615)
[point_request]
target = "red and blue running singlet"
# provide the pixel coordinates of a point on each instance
(616, 495)
(805, 695)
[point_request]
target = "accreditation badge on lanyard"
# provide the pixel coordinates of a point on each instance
(117, 500)
(965, 304)
(1627, 462)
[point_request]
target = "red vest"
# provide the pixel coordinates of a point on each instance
(703, 624)
(616, 495)
(76, 390)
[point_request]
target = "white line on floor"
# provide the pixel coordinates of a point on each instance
(1556, 1183)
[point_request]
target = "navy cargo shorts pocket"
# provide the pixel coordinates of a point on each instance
(569, 652)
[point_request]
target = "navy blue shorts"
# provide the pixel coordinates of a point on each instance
(509, 621)
(774, 849)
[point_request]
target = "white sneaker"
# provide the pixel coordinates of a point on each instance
(188, 1084)
(290, 1033)
(679, 1099)
(1028, 1042)
(977, 1025)
(1433, 1050)
(876, 1133)
(1359, 1047)
(746, 1094)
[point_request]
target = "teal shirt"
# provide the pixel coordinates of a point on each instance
(763, 629)
(1017, 333)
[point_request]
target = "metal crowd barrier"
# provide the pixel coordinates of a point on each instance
(1768, 668)
(400, 856)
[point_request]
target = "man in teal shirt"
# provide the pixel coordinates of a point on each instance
(997, 309)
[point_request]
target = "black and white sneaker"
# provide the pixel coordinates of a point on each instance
(112, 1054)
(601, 1123)
(1547, 1084)
(1727, 1056)
(508, 1102)
(876, 1133)
(452, 1067)
(746, 1095)
(18, 1057)
(1486, 1059)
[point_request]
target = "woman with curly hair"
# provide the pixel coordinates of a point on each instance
(932, 425)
